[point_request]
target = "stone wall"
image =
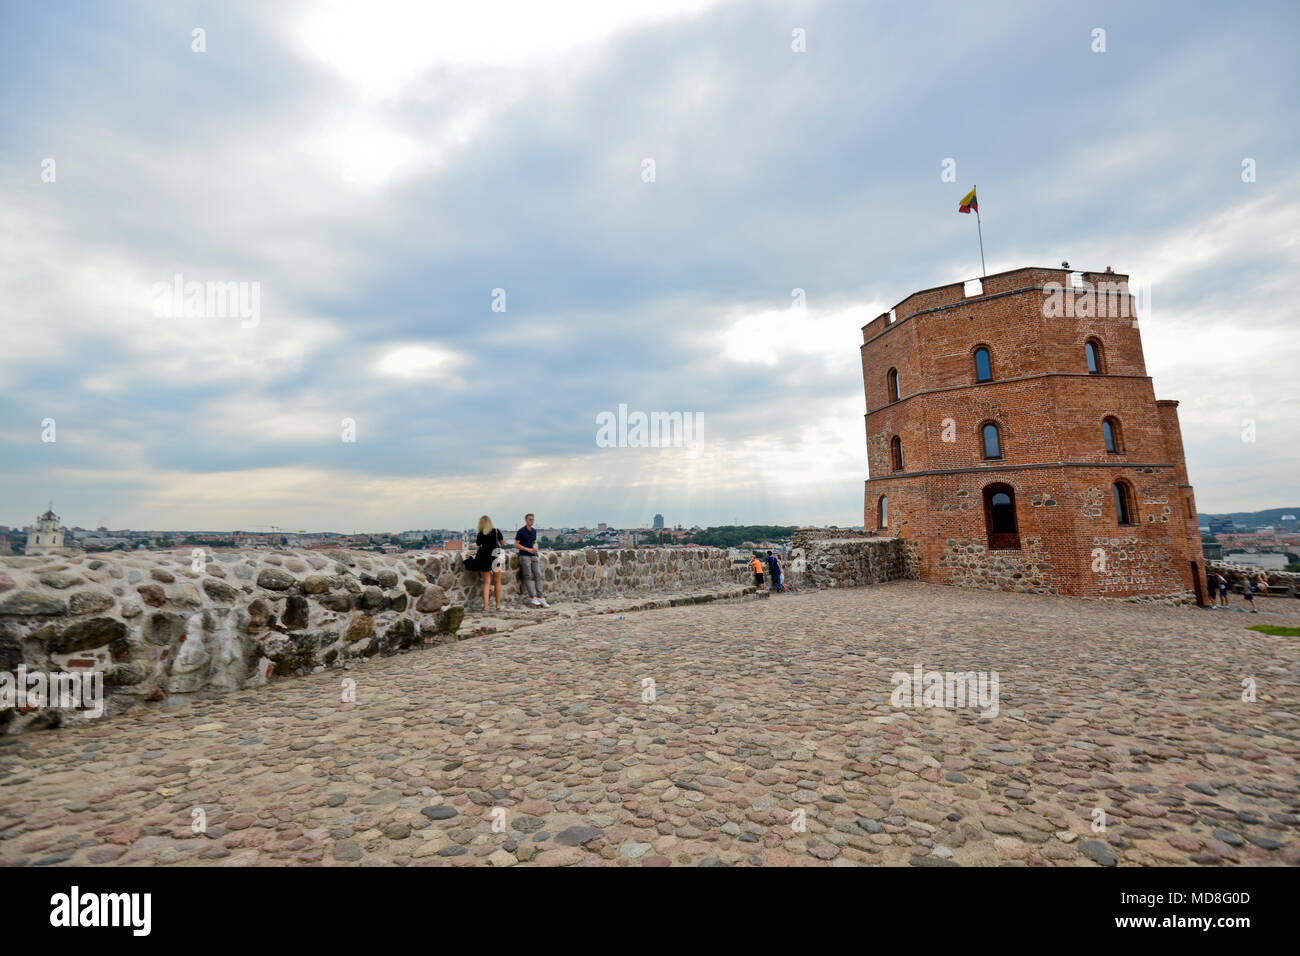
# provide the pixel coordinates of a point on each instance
(832, 557)
(972, 565)
(1235, 573)
(162, 626)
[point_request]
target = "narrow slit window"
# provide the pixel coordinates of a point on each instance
(1093, 351)
(1110, 432)
(1123, 503)
(992, 440)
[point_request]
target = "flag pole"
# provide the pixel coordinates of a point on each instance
(980, 228)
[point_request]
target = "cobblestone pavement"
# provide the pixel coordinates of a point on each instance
(763, 709)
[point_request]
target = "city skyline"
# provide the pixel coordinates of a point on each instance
(374, 200)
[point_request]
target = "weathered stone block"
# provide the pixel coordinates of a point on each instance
(219, 591)
(295, 613)
(359, 626)
(90, 602)
(32, 604)
(83, 635)
(273, 579)
(163, 627)
(152, 594)
(340, 601)
(433, 599)
(126, 674)
(315, 584)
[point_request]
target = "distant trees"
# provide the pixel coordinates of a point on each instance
(734, 536)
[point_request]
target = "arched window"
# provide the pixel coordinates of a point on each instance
(1110, 432)
(991, 439)
(983, 366)
(896, 453)
(1124, 513)
(892, 380)
(1093, 350)
(1000, 516)
(882, 512)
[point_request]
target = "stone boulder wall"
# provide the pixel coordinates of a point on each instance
(830, 558)
(1235, 573)
(591, 572)
(161, 631)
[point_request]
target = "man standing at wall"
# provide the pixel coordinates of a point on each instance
(526, 543)
(774, 573)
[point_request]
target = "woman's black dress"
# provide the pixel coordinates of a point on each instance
(482, 560)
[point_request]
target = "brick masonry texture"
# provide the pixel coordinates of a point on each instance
(160, 631)
(1049, 412)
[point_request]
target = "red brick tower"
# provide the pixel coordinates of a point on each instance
(1015, 442)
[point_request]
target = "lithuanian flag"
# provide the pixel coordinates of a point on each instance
(969, 202)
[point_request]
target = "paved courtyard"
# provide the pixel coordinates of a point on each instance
(762, 709)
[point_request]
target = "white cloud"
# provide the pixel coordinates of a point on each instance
(772, 336)
(418, 361)
(383, 46)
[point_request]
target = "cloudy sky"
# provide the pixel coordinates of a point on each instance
(378, 169)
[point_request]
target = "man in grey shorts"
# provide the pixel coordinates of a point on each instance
(526, 544)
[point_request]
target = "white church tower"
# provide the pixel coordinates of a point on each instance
(47, 535)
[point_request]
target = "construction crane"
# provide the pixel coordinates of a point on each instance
(278, 530)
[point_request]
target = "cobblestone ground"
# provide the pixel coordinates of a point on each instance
(764, 708)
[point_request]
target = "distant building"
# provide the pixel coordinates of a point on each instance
(1213, 550)
(1262, 559)
(659, 522)
(46, 535)
(1220, 526)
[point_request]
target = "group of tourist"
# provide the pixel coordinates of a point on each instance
(774, 572)
(1248, 590)
(490, 558)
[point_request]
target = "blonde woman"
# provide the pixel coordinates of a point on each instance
(489, 558)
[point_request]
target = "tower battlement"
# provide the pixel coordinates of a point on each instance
(1025, 279)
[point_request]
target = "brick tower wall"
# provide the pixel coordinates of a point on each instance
(1049, 413)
